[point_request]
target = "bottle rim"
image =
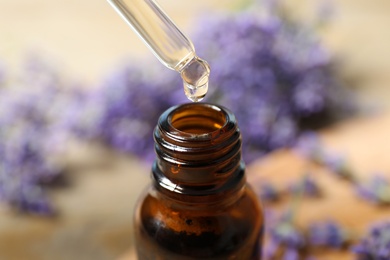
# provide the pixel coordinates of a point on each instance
(171, 121)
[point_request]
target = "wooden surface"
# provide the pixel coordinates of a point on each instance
(365, 143)
(86, 38)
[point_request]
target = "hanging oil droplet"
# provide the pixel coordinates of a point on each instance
(195, 77)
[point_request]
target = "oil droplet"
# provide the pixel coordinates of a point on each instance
(195, 77)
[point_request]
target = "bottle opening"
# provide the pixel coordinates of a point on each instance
(195, 119)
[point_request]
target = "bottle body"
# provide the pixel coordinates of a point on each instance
(198, 205)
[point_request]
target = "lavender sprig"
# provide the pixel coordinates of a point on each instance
(124, 109)
(307, 186)
(285, 76)
(376, 244)
(376, 190)
(310, 146)
(328, 234)
(285, 240)
(23, 163)
(269, 192)
(30, 111)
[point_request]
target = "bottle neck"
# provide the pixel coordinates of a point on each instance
(198, 149)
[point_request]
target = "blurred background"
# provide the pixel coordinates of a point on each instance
(80, 95)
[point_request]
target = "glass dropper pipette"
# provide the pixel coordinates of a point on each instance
(167, 42)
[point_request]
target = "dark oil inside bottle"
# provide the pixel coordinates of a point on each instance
(199, 205)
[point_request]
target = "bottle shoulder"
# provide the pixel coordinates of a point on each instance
(153, 202)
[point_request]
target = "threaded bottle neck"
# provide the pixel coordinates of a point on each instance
(198, 149)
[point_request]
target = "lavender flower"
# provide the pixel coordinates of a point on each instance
(376, 244)
(309, 145)
(29, 112)
(376, 189)
(22, 163)
(268, 192)
(307, 187)
(273, 73)
(124, 110)
(291, 254)
(327, 234)
(285, 237)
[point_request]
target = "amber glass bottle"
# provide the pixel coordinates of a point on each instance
(199, 205)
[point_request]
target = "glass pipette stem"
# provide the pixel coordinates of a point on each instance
(157, 30)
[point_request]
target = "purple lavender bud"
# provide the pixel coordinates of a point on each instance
(31, 198)
(130, 105)
(291, 254)
(288, 235)
(376, 189)
(284, 237)
(327, 234)
(308, 145)
(308, 96)
(30, 111)
(269, 193)
(307, 186)
(337, 164)
(376, 244)
(271, 249)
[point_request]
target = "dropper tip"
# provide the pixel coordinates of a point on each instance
(196, 94)
(195, 77)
